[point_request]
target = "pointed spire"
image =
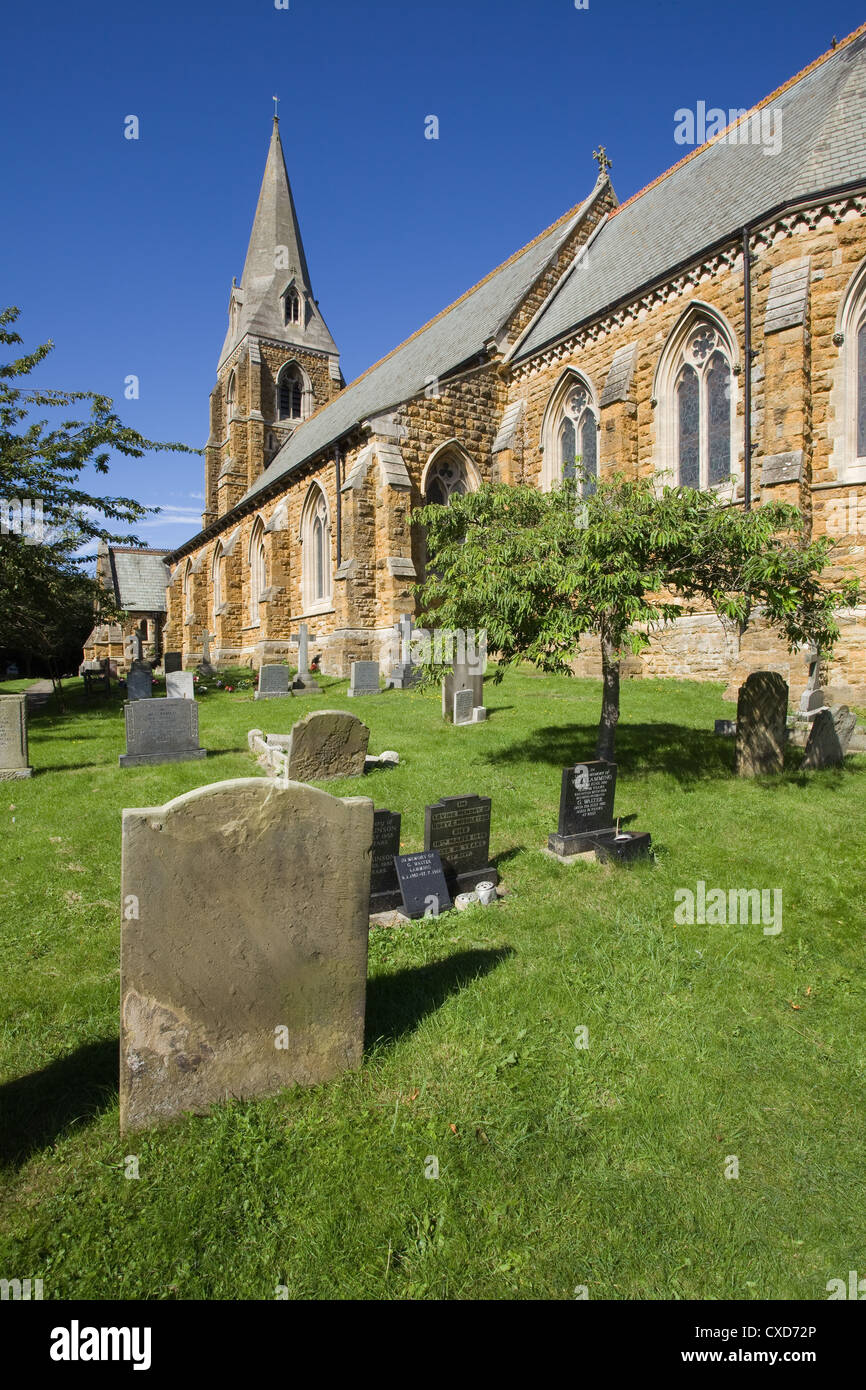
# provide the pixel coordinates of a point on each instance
(275, 261)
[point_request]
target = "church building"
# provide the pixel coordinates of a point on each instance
(710, 331)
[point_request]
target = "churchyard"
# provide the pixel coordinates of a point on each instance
(594, 1083)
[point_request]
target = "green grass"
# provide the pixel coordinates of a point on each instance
(558, 1166)
(14, 687)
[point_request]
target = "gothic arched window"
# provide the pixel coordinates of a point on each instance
(231, 392)
(219, 580)
(290, 393)
(258, 569)
(293, 307)
(187, 591)
(570, 434)
(316, 550)
(702, 391)
(446, 479)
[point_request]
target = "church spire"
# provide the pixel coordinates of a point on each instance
(276, 267)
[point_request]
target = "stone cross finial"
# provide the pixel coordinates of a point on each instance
(600, 156)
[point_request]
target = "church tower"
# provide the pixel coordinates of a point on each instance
(279, 362)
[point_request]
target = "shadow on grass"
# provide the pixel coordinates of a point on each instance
(396, 1004)
(36, 1109)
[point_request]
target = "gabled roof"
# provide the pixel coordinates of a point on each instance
(275, 259)
(139, 578)
(454, 337)
(818, 120)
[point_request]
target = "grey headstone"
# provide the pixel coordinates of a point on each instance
(461, 678)
(244, 957)
(463, 706)
(384, 886)
(172, 661)
(161, 731)
(273, 683)
(459, 828)
(762, 710)
(13, 738)
(139, 681)
(828, 738)
(364, 679)
(180, 685)
(327, 743)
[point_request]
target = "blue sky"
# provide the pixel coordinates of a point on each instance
(123, 251)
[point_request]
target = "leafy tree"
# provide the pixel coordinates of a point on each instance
(542, 570)
(43, 588)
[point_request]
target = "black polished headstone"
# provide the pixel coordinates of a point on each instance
(384, 884)
(422, 884)
(586, 797)
(459, 828)
(139, 681)
(173, 661)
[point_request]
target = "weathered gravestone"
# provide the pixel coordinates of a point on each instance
(458, 827)
(243, 945)
(273, 683)
(463, 707)
(829, 737)
(205, 667)
(384, 885)
(403, 673)
(173, 661)
(13, 738)
(180, 685)
(463, 677)
(327, 743)
(762, 709)
(139, 681)
(813, 697)
(423, 886)
(364, 679)
(304, 680)
(161, 731)
(586, 820)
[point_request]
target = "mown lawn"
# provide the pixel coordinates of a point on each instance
(559, 1166)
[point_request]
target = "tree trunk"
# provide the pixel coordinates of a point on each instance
(609, 698)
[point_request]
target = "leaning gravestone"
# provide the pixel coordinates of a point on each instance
(243, 945)
(463, 677)
(139, 681)
(828, 738)
(13, 738)
(173, 661)
(327, 743)
(180, 685)
(586, 820)
(364, 679)
(762, 709)
(458, 827)
(161, 731)
(813, 697)
(273, 683)
(423, 886)
(384, 885)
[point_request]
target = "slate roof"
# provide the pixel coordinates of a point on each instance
(139, 578)
(711, 194)
(454, 337)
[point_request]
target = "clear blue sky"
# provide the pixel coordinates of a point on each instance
(123, 251)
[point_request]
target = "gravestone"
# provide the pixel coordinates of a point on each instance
(180, 685)
(134, 648)
(463, 707)
(762, 709)
(14, 762)
(403, 673)
(586, 819)
(173, 661)
(139, 681)
(303, 680)
(161, 731)
(828, 738)
(243, 945)
(813, 697)
(726, 728)
(384, 885)
(205, 668)
(461, 678)
(423, 887)
(327, 743)
(364, 679)
(458, 827)
(273, 683)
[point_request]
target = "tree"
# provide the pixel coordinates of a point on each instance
(540, 571)
(43, 587)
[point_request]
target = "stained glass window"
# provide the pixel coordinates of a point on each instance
(567, 448)
(719, 419)
(702, 416)
(688, 428)
(589, 455)
(861, 390)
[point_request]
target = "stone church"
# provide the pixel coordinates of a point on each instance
(711, 331)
